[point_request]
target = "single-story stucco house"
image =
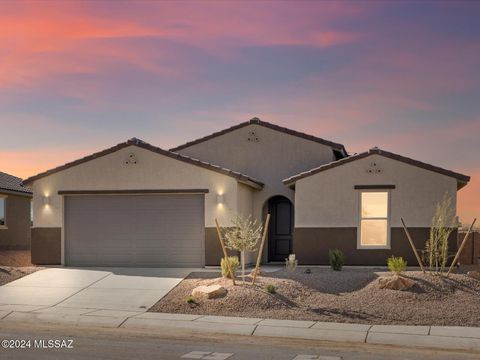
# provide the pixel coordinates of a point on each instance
(135, 204)
(15, 218)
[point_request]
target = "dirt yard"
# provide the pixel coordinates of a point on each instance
(351, 295)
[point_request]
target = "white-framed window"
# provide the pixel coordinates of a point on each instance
(3, 211)
(374, 224)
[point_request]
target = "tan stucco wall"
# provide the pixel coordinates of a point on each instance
(245, 196)
(328, 199)
(273, 158)
(152, 171)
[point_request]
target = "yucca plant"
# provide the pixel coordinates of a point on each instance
(396, 265)
(234, 262)
(337, 259)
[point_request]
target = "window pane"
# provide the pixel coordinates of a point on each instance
(2, 211)
(374, 204)
(374, 232)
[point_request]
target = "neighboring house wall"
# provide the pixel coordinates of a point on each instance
(16, 233)
(274, 157)
(471, 252)
(327, 209)
(109, 172)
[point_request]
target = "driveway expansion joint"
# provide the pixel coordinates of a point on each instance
(81, 289)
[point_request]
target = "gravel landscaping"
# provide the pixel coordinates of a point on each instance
(15, 258)
(15, 264)
(351, 295)
(9, 274)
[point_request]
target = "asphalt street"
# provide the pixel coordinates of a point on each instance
(55, 342)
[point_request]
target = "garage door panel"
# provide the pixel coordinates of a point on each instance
(132, 230)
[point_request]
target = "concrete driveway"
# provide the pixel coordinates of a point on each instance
(74, 291)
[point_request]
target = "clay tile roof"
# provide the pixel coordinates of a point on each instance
(10, 183)
(254, 183)
(461, 179)
(257, 121)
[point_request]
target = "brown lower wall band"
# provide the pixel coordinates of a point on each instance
(16, 235)
(213, 249)
(46, 246)
(311, 245)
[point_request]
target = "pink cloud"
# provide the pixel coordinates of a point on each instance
(27, 163)
(40, 40)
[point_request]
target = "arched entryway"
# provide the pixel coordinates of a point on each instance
(280, 232)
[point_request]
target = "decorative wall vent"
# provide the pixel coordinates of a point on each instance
(252, 137)
(131, 160)
(374, 168)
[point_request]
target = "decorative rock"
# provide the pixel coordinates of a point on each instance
(259, 272)
(395, 282)
(209, 292)
(474, 274)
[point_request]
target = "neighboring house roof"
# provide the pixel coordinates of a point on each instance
(142, 144)
(10, 183)
(461, 179)
(257, 121)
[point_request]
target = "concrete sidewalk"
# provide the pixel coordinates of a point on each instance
(440, 337)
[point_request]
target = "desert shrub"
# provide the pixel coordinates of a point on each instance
(396, 264)
(234, 262)
(190, 300)
(271, 289)
(443, 223)
(337, 259)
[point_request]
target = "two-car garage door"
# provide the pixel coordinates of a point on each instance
(165, 230)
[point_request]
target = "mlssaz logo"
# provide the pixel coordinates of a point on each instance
(53, 344)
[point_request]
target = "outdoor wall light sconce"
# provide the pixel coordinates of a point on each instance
(220, 198)
(46, 200)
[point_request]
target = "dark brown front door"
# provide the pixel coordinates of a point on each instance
(281, 226)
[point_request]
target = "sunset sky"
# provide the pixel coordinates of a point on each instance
(77, 77)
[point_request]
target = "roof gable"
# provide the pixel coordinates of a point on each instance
(257, 121)
(462, 180)
(256, 184)
(10, 183)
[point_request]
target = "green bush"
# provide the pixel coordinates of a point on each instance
(396, 264)
(190, 299)
(337, 259)
(271, 289)
(233, 264)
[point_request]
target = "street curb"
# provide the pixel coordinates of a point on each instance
(436, 337)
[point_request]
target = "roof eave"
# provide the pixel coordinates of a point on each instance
(257, 121)
(462, 180)
(138, 143)
(15, 192)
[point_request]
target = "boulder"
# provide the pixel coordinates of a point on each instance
(209, 292)
(474, 274)
(395, 282)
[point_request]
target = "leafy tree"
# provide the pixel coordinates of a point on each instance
(443, 223)
(243, 237)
